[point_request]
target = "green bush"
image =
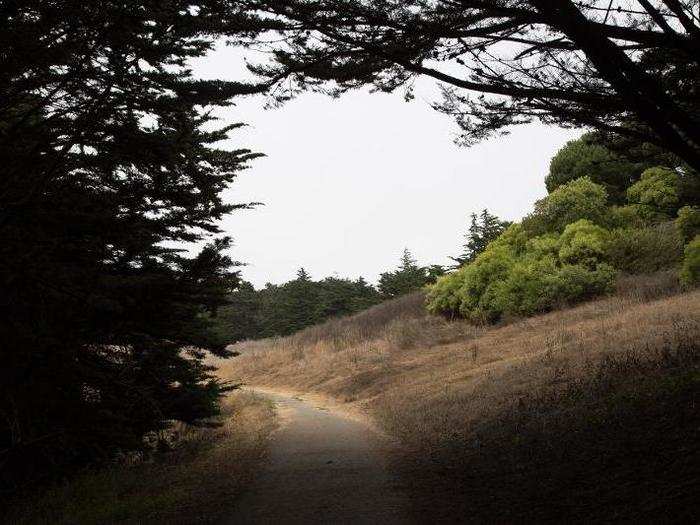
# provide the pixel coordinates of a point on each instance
(690, 269)
(480, 281)
(657, 193)
(644, 250)
(688, 222)
(583, 243)
(443, 296)
(564, 252)
(540, 285)
(527, 288)
(575, 283)
(625, 217)
(578, 199)
(543, 245)
(520, 276)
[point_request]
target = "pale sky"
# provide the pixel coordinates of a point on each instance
(349, 183)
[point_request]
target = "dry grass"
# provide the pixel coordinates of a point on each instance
(429, 380)
(465, 395)
(197, 482)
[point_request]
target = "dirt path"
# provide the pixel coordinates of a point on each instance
(324, 467)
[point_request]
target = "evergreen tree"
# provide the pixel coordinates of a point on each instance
(108, 161)
(299, 299)
(434, 272)
(483, 229)
(239, 319)
(284, 309)
(364, 296)
(409, 277)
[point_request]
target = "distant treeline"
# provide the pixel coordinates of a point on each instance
(282, 309)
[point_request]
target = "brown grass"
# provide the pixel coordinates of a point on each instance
(465, 395)
(197, 482)
(428, 379)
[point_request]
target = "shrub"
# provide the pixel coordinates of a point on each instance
(481, 279)
(575, 283)
(540, 285)
(656, 195)
(690, 269)
(688, 222)
(443, 296)
(583, 243)
(625, 217)
(527, 287)
(516, 276)
(578, 199)
(543, 245)
(644, 250)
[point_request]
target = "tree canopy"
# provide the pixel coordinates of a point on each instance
(584, 157)
(627, 67)
(109, 160)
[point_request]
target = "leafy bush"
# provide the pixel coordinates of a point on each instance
(521, 276)
(575, 283)
(480, 281)
(564, 251)
(644, 250)
(583, 243)
(443, 296)
(688, 222)
(690, 270)
(527, 288)
(656, 195)
(625, 217)
(578, 199)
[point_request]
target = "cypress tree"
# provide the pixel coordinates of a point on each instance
(108, 165)
(407, 278)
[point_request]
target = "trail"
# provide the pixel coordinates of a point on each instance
(324, 467)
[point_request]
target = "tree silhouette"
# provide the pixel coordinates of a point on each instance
(621, 66)
(108, 161)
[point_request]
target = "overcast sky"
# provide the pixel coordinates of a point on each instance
(349, 183)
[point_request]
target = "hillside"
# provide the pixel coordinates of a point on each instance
(587, 412)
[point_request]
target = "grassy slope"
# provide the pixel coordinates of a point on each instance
(196, 483)
(589, 412)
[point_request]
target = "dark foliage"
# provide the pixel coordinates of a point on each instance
(503, 62)
(409, 277)
(278, 310)
(587, 157)
(105, 165)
